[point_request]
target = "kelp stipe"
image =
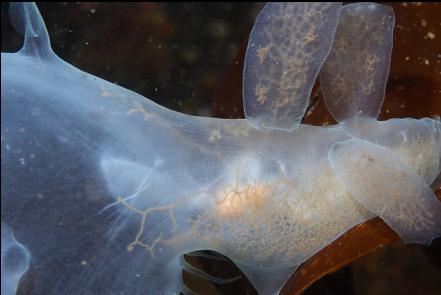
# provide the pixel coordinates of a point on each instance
(106, 190)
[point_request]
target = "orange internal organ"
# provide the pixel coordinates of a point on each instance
(233, 202)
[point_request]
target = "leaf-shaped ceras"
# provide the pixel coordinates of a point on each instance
(287, 47)
(104, 191)
(355, 74)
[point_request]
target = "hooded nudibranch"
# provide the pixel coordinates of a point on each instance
(103, 191)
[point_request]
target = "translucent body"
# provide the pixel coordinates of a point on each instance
(107, 190)
(15, 261)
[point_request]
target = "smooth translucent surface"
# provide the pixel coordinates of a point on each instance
(15, 261)
(287, 47)
(355, 74)
(362, 167)
(106, 190)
